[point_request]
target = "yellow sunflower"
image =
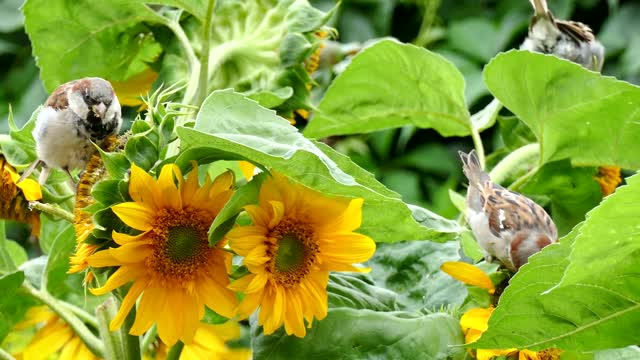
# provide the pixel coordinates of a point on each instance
(476, 321)
(298, 235)
(209, 343)
(173, 269)
(15, 197)
(54, 337)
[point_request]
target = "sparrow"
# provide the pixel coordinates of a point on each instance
(509, 226)
(566, 39)
(76, 115)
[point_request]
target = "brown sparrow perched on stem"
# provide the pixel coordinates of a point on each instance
(508, 226)
(569, 40)
(75, 115)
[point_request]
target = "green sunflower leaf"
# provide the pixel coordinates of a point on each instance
(392, 85)
(229, 123)
(14, 302)
(412, 269)
(224, 221)
(364, 334)
(575, 113)
(104, 38)
(19, 147)
(584, 292)
(358, 291)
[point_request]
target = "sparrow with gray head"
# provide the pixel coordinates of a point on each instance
(566, 39)
(76, 115)
(509, 226)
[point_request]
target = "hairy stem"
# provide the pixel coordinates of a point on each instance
(515, 159)
(113, 340)
(79, 328)
(203, 80)
(477, 143)
(81, 314)
(148, 338)
(52, 210)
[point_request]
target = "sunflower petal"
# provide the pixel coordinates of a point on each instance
(142, 188)
(167, 187)
(136, 215)
(347, 247)
(127, 303)
(468, 274)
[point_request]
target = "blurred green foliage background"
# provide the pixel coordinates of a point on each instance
(419, 164)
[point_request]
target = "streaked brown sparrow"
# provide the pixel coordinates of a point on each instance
(76, 114)
(566, 39)
(509, 226)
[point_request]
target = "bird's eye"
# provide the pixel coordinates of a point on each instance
(87, 97)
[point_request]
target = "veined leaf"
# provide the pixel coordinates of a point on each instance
(574, 112)
(584, 292)
(364, 334)
(391, 85)
(100, 38)
(230, 123)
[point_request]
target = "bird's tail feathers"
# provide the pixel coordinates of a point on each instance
(472, 168)
(540, 7)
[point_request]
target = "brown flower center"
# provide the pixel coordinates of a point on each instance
(293, 250)
(180, 244)
(13, 204)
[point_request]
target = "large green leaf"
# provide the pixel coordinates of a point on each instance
(358, 291)
(90, 38)
(572, 191)
(14, 302)
(520, 319)
(391, 85)
(364, 334)
(584, 293)
(574, 112)
(231, 126)
(412, 269)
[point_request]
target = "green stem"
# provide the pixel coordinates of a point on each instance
(477, 143)
(131, 342)
(203, 80)
(83, 315)
(514, 160)
(5, 355)
(523, 179)
(79, 328)
(430, 10)
(176, 350)
(192, 59)
(148, 338)
(113, 340)
(52, 210)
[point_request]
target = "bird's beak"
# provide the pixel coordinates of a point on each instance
(99, 110)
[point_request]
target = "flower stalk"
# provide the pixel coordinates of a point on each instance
(79, 327)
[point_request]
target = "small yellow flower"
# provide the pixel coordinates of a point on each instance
(476, 321)
(609, 178)
(209, 342)
(473, 323)
(175, 272)
(15, 197)
(468, 274)
(298, 236)
(54, 337)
